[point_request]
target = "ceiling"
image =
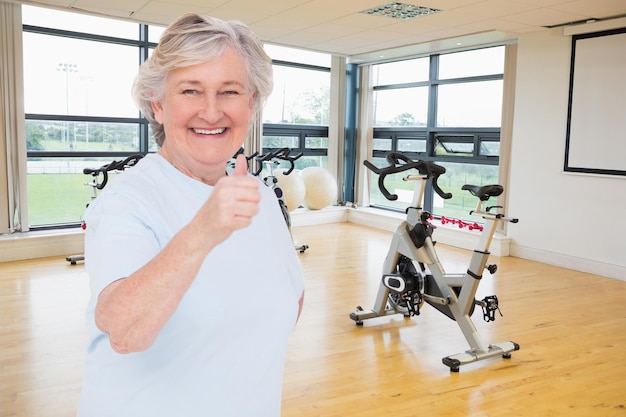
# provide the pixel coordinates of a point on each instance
(338, 27)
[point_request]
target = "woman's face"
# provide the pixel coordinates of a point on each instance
(206, 112)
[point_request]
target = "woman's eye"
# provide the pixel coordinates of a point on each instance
(190, 92)
(230, 93)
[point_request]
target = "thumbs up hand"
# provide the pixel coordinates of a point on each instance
(231, 206)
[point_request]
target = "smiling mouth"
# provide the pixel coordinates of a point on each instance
(210, 131)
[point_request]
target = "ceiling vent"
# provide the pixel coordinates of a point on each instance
(401, 11)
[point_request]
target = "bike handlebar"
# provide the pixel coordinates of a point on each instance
(111, 166)
(398, 162)
(282, 153)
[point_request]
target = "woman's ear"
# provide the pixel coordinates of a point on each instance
(252, 100)
(157, 109)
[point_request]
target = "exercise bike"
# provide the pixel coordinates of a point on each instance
(97, 183)
(404, 288)
(271, 161)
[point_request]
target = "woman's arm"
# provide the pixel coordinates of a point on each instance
(133, 310)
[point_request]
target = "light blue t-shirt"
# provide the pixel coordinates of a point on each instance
(222, 353)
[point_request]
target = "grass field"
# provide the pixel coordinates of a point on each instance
(58, 198)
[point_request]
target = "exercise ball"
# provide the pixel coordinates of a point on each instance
(292, 186)
(321, 188)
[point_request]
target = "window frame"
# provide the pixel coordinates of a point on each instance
(302, 132)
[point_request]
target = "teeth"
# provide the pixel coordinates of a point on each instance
(210, 132)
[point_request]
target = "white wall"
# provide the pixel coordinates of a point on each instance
(575, 221)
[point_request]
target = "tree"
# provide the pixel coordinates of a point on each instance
(35, 135)
(403, 119)
(311, 107)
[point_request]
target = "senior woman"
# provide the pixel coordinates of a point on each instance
(195, 284)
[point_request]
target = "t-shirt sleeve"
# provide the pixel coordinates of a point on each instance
(118, 240)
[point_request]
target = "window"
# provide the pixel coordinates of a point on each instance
(477, 62)
(477, 104)
(296, 114)
(401, 72)
(401, 107)
(78, 73)
(301, 96)
(57, 191)
(468, 145)
(458, 174)
(442, 108)
(78, 77)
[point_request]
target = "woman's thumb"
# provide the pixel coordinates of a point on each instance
(241, 165)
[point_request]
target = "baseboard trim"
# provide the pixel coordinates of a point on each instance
(32, 245)
(306, 217)
(570, 262)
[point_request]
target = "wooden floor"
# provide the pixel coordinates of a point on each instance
(571, 328)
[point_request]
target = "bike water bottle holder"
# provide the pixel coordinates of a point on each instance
(419, 233)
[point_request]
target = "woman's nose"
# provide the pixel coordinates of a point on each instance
(211, 108)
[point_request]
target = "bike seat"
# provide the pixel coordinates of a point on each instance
(484, 191)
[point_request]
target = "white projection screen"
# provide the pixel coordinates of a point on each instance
(596, 122)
